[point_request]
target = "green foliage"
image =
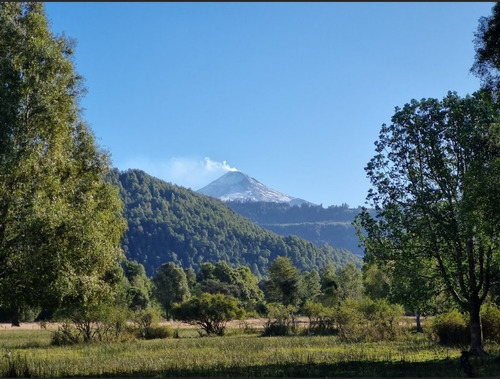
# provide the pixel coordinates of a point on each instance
(329, 286)
(349, 282)
(376, 281)
(436, 194)
(490, 317)
(451, 328)
(487, 60)
(281, 320)
(147, 325)
(168, 223)
(368, 320)
(332, 225)
(236, 282)
(170, 286)
(321, 321)
(311, 286)
(210, 312)
(284, 284)
(99, 323)
(59, 220)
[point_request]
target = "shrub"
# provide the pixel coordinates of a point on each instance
(103, 323)
(368, 320)
(210, 312)
(490, 316)
(320, 318)
(451, 328)
(383, 319)
(66, 335)
(281, 320)
(350, 321)
(147, 325)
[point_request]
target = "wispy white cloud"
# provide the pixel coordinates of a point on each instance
(184, 171)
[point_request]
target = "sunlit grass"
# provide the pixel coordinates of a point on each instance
(234, 355)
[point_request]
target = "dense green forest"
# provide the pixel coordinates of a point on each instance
(168, 223)
(332, 225)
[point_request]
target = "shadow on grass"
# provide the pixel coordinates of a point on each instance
(447, 368)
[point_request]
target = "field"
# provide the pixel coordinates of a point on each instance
(242, 353)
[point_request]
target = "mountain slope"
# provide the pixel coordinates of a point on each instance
(237, 186)
(171, 223)
(332, 225)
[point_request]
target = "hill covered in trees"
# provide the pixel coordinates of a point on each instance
(332, 225)
(171, 223)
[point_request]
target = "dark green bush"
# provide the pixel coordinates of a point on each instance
(321, 320)
(451, 328)
(281, 320)
(159, 331)
(490, 316)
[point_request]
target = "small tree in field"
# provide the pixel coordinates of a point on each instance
(210, 312)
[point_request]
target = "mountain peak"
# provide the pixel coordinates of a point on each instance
(238, 186)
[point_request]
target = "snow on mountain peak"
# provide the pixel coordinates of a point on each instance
(237, 186)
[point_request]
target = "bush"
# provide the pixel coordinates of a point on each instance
(490, 316)
(210, 312)
(320, 318)
(281, 320)
(383, 319)
(368, 320)
(147, 325)
(103, 323)
(350, 321)
(451, 328)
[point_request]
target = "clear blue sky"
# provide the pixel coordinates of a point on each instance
(292, 94)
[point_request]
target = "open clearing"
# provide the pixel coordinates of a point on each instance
(242, 353)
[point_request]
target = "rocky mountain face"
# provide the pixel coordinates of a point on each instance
(284, 214)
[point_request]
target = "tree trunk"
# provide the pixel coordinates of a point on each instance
(476, 330)
(419, 325)
(15, 316)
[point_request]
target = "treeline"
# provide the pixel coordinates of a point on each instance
(168, 223)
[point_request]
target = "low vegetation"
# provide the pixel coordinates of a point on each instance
(238, 354)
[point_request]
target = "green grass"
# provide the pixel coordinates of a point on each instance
(236, 355)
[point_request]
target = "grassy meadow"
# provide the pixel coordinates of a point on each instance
(241, 353)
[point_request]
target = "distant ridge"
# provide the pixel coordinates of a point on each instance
(168, 223)
(238, 186)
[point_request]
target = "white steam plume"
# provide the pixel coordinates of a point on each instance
(184, 171)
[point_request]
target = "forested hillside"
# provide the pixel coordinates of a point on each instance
(171, 223)
(332, 225)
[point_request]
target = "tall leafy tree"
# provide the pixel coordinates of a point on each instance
(350, 282)
(60, 222)
(171, 286)
(487, 45)
(284, 284)
(436, 194)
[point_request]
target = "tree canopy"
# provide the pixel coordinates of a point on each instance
(60, 221)
(435, 191)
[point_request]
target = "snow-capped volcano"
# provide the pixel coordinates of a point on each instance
(237, 186)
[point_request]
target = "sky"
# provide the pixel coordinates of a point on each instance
(292, 94)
